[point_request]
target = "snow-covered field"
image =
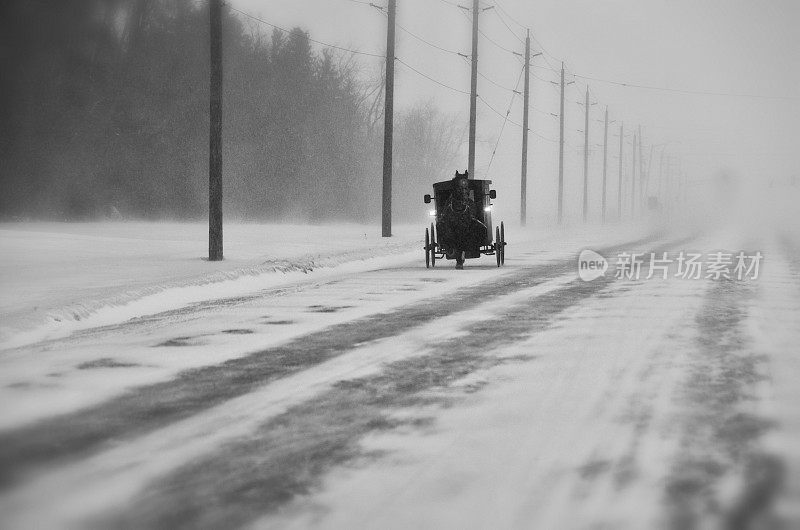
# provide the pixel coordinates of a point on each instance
(56, 278)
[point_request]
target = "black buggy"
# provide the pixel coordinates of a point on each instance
(438, 247)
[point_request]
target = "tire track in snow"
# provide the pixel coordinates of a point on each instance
(147, 408)
(595, 502)
(550, 460)
(776, 331)
(722, 476)
(287, 456)
(111, 478)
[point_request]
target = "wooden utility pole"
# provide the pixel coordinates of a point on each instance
(473, 93)
(586, 160)
(605, 165)
(388, 126)
(621, 160)
(215, 135)
(633, 177)
(561, 153)
(523, 200)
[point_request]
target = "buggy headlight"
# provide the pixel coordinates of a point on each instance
(487, 209)
(432, 213)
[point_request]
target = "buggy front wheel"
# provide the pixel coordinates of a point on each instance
(427, 249)
(498, 247)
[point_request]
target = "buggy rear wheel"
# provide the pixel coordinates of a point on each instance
(502, 244)
(498, 247)
(427, 249)
(433, 246)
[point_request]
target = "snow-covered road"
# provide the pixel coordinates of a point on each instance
(397, 397)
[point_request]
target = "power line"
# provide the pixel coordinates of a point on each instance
(690, 92)
(488, 38)
(514, 91)
(497, 111)
(421, 39)
(498, 85)
(432, 45)
(501, 8)
(490, 80)
(548, 82)
(505, 120)
(426, 76)
(515, 123)
(462, 55)
(549, 68)
(500, 17)
(327, 45)
(525, 27)
(543, 112)
(448, 2)
(485, 36)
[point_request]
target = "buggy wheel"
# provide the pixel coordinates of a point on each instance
(498, 247)
(433, 246)
(502, 244)
(427, 249)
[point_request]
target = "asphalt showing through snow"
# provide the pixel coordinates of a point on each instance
(147, 408)
(288, 455)
(719, 438)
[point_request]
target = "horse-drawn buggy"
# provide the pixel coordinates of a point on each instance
(463, 222)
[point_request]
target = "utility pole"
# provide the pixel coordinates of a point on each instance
(523, 204)
(388, 126)
(621, 160)
(215, 135)
(473, 93)
(633, 177)
(586, 160)
(605, 164)
(561, 153)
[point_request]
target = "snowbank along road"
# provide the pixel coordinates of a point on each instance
(520, 397)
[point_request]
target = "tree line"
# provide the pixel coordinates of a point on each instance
(104, 106)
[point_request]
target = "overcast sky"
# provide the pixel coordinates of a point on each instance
(718, 46)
